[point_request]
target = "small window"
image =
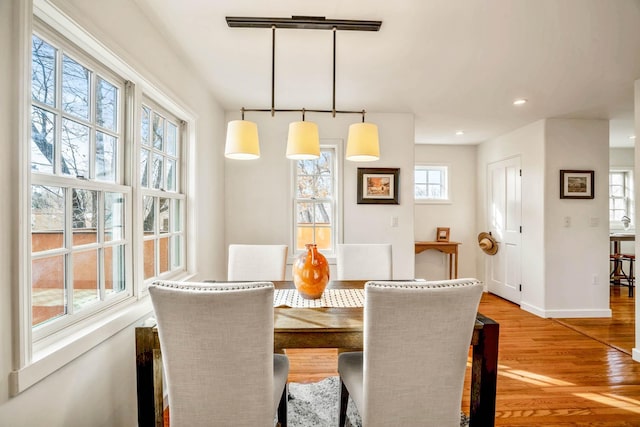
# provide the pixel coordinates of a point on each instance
(315, 199)
(431, 183)
(620, 196)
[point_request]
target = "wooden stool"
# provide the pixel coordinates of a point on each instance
(630, 278)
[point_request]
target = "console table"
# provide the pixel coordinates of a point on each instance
(449, 248)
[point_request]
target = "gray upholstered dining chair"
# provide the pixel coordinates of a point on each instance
(257, 262)
(416, 343)
(364, 261)
(217, 352)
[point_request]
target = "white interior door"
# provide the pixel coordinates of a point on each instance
(504, 216)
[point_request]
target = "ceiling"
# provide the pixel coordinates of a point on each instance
(454, 64)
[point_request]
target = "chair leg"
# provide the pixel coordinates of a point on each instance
(282, 407)
(344, 400)
(632, 278)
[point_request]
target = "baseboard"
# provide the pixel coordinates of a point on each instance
(532, 309)
(567, 314)
(573, 314)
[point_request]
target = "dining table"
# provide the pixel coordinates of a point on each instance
(315, 326)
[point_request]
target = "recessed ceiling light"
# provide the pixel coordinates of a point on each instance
(632, 137)
(520, 101)
(460, 132)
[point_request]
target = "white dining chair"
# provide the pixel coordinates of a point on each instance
(257, 262)
(364, 261)
(416, 343)
(216, 341)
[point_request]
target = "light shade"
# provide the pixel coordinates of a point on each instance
(362, 143)
(242, 140)
(303, 142)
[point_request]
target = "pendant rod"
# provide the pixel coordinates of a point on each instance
(300, 110)
(273, 69)
(334, 71)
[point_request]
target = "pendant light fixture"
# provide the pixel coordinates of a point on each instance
(303, 140)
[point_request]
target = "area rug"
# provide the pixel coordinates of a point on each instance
(316, 405)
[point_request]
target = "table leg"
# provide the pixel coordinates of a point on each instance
(455, 257)
(484, 375)
(450, 265)
(146, 377)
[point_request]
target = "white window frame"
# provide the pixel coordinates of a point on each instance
(337, 213)
(629, 197)
(443, 168)
(52, 352)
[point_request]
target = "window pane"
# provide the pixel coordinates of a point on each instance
(47, 218)
(435, 177)
(47, 289)
(177, 212)
(420, 177)
(616, 191)
(171, 171)
(105, 157)
(43, 71)
(149, 258)
(148, 212)
(114, 269)
(85, 216)
(324, 187)
(172, 132)
(157, 171)
(619, 204)
(176, 252)
(420, 191)
(304, 235)
(75, 149)
(323, 237)
(106, 105)
(85, 278)
(163, 215)
(323, 213)
(305, 188)
(42, 140)
(616, 178)
(164, 254)
(434, 191)
(113, 217)
(144, 126)
(158, 132)
(144, 168)
(305, 213)
(75, 88)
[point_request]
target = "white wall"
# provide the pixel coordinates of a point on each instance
(459, 215)
(577, 257)
(257, 192)
(528, 143)
(98, 388)
(559, 264)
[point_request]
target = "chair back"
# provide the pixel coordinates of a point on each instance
(416, 343)
(364, 261)
(217, 352)
(257, 262)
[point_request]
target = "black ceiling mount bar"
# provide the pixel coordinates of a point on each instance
(304, 23)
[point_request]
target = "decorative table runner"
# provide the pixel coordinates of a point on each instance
(330, 298)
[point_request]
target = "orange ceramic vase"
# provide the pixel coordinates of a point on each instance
(311, 273)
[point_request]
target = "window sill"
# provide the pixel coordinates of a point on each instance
(50, 359)
(433, 202)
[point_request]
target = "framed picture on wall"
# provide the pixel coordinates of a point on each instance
(576, 184)
(378, 186)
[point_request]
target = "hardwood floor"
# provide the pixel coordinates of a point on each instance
(549, 373)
